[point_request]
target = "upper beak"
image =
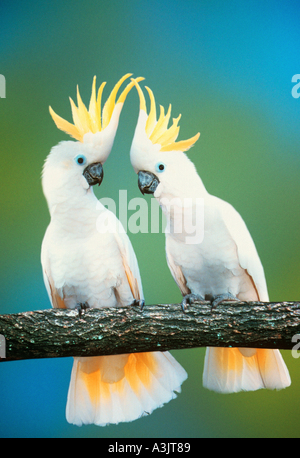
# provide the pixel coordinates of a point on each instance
(147, 182)
(93, 173)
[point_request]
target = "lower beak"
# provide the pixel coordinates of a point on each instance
(147, 182)
(93, 173)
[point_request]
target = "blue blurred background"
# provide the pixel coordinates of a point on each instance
(227, 68)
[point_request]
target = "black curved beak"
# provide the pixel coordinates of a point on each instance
(93, 173)
(147, 182)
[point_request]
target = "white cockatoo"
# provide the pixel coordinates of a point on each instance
(88, 261)
(209, 250)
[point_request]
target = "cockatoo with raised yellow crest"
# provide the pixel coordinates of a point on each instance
(209, 250)
(88, 261)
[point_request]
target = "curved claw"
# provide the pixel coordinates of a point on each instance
(189, 299)
(138, 302)
(216, 300)
(81, 307)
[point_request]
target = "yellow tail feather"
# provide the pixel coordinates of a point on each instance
(227, 370)
(111, 389)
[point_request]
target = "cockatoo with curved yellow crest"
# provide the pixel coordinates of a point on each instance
(88, 261)
(209, 250)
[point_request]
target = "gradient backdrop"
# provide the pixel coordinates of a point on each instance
(227, 68)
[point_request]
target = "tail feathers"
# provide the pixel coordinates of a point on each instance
(113, 389)
(229, 370)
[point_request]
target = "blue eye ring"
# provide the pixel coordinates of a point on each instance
(160, 167)
(80, 159)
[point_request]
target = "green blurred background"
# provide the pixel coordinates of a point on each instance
(227, 68)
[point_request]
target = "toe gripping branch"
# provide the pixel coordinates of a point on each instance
(190, 299)
(138, 303)
(81, 307)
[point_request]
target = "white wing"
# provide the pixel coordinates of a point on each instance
(247, 253)
(55, 299)
(128, 256)
(176, 271)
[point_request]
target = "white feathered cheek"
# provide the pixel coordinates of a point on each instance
(158, 191)
(84, 183)
(160, 169)
(79, 162)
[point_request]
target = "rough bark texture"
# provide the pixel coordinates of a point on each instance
(59, 333)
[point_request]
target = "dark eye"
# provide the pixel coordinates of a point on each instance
(160, 167)
(80, 159)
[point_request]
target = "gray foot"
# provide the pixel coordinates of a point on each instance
(216, 300)
(138, 303)
(190, 299)
(81, 307)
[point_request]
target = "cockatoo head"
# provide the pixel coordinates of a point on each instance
(162, 167)
(74, 166)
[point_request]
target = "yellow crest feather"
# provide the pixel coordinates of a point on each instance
(158, 131)
(90, 120)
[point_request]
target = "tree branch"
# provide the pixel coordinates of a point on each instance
(108, 331)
